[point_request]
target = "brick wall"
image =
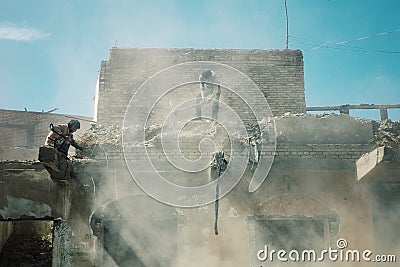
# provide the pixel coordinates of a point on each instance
(29, 129)
(347, 152)
(278, 74)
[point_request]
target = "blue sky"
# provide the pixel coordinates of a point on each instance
(51, 50)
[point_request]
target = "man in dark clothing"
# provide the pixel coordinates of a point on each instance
(210, 90)
(61, 136)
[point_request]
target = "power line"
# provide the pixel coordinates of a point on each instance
(367, 37)
(349, 48)
(356, 39)
(341, 45)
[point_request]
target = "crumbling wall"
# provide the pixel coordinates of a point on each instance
(324, 129)
(323, 136)
(298, 135)
(313, 166)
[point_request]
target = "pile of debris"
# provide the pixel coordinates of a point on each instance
(195, 131)
(152, 135)
(99, 134)
(102, 137)
(387, 134)
(22, 250)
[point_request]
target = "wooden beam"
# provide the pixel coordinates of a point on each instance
(347, 107)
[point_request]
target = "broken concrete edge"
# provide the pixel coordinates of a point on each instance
(371, 165)
(28, 164)
(368, 161)
(30, 218)
(20, 164)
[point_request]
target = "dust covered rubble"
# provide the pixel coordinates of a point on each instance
(106, 137)
(387, 134)
(98, 135)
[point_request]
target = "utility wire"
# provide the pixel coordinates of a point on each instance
(357, 39)
(349, 48)
(343, 47)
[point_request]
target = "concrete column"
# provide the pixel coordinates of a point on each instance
(384, 114)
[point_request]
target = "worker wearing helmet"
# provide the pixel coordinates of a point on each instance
(61, 136)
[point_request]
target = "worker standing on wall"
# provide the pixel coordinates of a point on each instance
(61, 136)
(210, 90)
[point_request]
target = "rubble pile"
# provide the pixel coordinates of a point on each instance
(194, 131)
(200, 127)
(22, 250)
(152, 134)
(112, 135)
(101, 137)
(104, 135)
(387, 133)
(101, 134)
(290, 114)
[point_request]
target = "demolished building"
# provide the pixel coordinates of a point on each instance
(332, 176)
